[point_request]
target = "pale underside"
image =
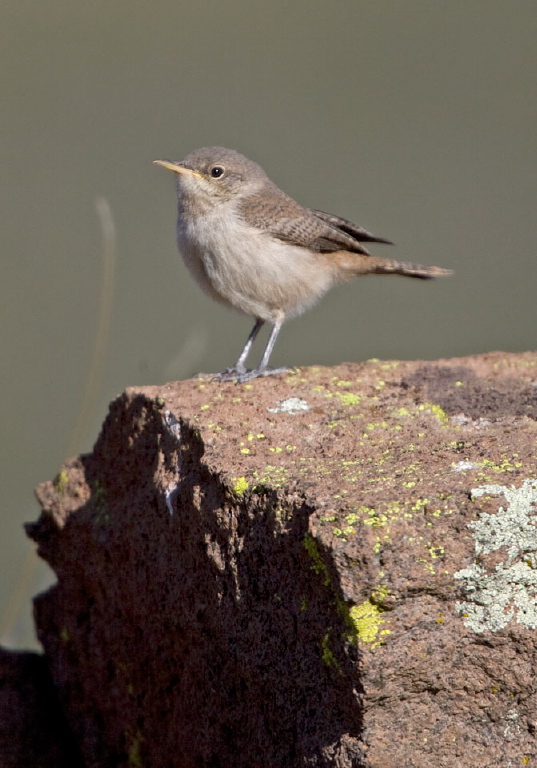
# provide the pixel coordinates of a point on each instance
(251, 271)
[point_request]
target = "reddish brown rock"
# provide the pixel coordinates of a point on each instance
(331, 568)
(33, 731)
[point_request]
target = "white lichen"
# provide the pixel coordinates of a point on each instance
(171, 489)
(292, 405)
(509, 592)
(464, 466)
(169, 495)
(173, 424)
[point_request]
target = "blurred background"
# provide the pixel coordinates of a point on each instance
(416, 120)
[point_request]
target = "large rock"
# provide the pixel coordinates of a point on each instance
(334, 568)
(33, 731)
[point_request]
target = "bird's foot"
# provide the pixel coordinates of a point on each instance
(229, 374)
(240, 376)
(256, 373)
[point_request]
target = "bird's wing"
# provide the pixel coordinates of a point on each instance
(359, 233)
(281, 217)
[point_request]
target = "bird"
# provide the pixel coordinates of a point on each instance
(253, 248)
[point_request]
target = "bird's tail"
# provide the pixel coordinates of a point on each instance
(352, 264)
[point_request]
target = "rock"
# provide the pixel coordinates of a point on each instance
(333, 568)
(33, 731)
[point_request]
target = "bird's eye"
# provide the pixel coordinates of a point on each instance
(217, 171)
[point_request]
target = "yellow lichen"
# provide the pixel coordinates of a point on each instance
(317, 563)
(240, 486)
(367, 619)
(348, 398)
(327, 654)
(135, 759)
(436, 410)
(273, 476)
(61, 481)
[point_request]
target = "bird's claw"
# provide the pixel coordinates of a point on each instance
(241, 376)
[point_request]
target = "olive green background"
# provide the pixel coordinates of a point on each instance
(415, 119)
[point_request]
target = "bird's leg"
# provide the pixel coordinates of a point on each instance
(263, 369)
(239, 372)
(239, 365)
(230, 374)
(270, 346)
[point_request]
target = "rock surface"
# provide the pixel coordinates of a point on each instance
(33, 731)
(336, 567)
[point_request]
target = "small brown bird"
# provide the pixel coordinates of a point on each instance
(252, 247)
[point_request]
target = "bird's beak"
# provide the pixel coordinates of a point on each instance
(176, 167)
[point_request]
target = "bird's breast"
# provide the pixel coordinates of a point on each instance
(244, 267)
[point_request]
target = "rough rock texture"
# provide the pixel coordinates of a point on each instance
(331, 568)
(33, 731)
